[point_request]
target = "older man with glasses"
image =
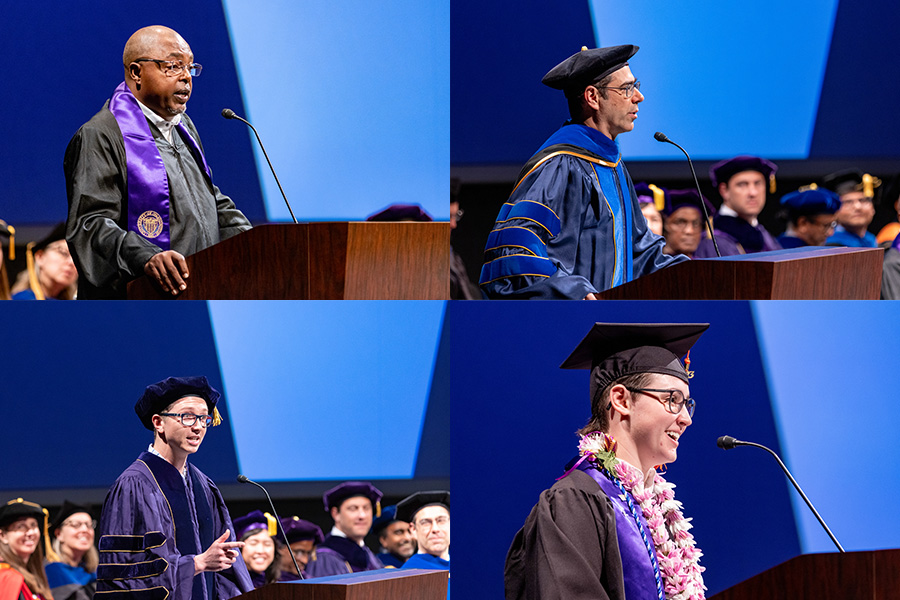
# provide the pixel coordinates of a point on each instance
(609, 527)
(161, 493)
(141, 195)
(573, 226)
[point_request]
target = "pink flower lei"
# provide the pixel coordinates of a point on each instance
(676, 550)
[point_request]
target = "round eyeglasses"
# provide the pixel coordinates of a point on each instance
(628, 89)
(674, 400)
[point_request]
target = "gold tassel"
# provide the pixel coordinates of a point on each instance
(273, 525)
(583, 48)
(869, 185)
(806, 188)
(12, 240)
(772, 183)
(378, 509)
(687, 365)
(659, 197)
(50, 554)
(217, 417)
(32, 273)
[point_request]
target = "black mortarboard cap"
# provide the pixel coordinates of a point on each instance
(160, 395)
(409, 506)
(583, 68)
(814, 201)
(297, 530)
(614, 350)
(334, 497)
(21, 509)
(67, 510)
(676, 199)
(851, 180)
(723, 171)
(58, 233)
(7, 230)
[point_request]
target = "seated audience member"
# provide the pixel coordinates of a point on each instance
(889, 232)
(741, 181)
(810, 214)
(684, 224)
(890, 276)
(51, 272)
(6, 231)
(652, 201)
(258, 530)
(428, 514)
(302, 537)
(351, 505)
(74, 575)
(22, 574)
(857, 194)
(397, 541)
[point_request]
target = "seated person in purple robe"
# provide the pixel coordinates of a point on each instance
(396, 540)
(608, 528)
(428, 515)
(302, 536)
(857, 191)
(685, 221)
(351, 505)
(810, 215)
(141, 195)
(259, 533)
(741, 182)
(161, 493)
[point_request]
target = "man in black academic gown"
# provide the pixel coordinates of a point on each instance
(161, 493)
(141, 196)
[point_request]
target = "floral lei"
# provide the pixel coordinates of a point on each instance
(676, 551)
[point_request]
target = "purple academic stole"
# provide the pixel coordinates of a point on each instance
(148, 185)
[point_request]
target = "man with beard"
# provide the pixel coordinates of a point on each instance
(351, 505)
(141, 196)
(396, 540)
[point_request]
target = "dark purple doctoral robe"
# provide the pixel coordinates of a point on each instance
(153, 524)
(338, 555)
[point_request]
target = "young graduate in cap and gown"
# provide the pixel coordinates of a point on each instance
(609, 528)
(573, 226)
(351, 505)
(161, 493)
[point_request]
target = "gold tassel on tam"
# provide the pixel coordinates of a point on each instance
(273, 525)
(687, 365)
(32, 273)
(378, 509)
(659, 197)
(772, 183)
(49, 554)
(217, 417)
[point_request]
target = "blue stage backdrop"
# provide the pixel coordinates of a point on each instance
(807, 379)
(313, 390)
(351, 99)
(778, 79)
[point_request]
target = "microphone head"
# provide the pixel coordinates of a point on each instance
(726, 442)
(242, 478)
(659, 136)
(228, 113)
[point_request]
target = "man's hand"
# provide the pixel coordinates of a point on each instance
(219, 556)
(169, 270)
(590, 296)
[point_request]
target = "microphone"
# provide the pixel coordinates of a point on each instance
(659, 136)
(230, 114)
(726, 442)
(244, 479)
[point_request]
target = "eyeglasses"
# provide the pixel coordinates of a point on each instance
(80, 524)
(628, 89)
(62, 250)
(24, 527)
(189, 419)
(675, 400)
(459, 214)
(173, 68)
(683, 224)
(429, 523)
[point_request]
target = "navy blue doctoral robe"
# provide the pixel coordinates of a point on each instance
(152, 525)
(427, 561)
(572, 226)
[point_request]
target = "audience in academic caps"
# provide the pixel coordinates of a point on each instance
(652, 200)
(74, 575)
(22, 576)
(428, 514)
(683, 221)
(396, 540)
(351, 506)
(303, 537)
(258, 531)
(810, 215)
(9, 232)
(857, 194)
(51, 273)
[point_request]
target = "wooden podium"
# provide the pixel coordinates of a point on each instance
(319, 261)
(859, 575)
(383, 584)
(810, 273)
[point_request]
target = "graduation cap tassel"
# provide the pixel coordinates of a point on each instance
(659, 197)
(868, 186)
(217, 417)
(32, 273)
(772, 183)
(687, 365)
(12, 241)
(52, 556)
(273, 525)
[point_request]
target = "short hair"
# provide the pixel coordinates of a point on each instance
(599, 420)
(576, 103)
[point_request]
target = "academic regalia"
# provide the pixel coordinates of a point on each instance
(790, 241)
(736, 236)
(12, 585)
(427, 561)
(890, 276)
(70, 583)
(106, 253)
(139, 548)
(842, 237)
(390, 560)
(572, 225)
(338, 555)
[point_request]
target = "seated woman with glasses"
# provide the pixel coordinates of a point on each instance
(258, 531)
(22, 551)
(51, 273)
(74, 575)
